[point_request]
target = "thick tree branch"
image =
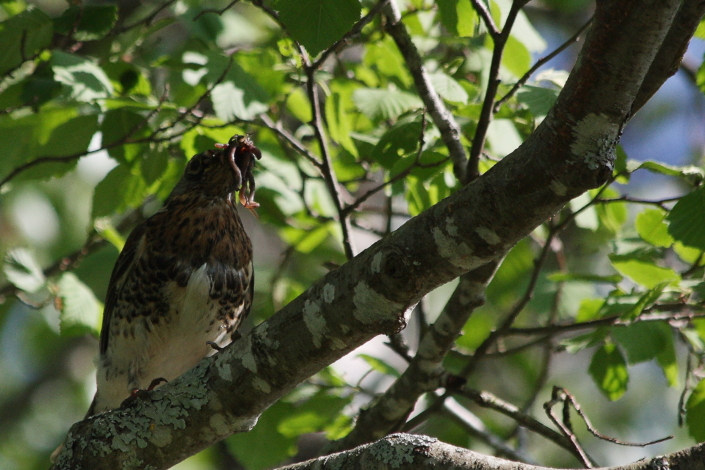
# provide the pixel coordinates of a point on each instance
(571, 151)
(411, 452)
(424, 372)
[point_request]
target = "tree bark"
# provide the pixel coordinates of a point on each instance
(625, 58)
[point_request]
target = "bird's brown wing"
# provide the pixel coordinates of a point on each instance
(124, 264)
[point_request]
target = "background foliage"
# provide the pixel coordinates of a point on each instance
(102, 105)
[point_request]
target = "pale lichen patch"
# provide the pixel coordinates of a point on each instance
(219, 424)
(328, 293)
(458, 253)
(261, 385)
(244, 350)
(161, 436)
(371, 306)
(595, 140)
(337, 344)
(225, 370)
(398, 449)
(488, 235)
(314, 321)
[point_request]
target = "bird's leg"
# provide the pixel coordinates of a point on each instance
(141, 393)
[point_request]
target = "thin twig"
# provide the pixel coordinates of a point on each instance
(146, 20)
(484, 13)
(540, 63)
(278, 129)
(214, 10)
(483, 123)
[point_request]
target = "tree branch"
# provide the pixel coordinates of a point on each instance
(442, 118)
(412, 452)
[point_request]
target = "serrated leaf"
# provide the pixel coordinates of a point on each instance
(80, 311)
(448, 88)
(376, 103)
(83, 79)
(695, 412)
(23, 271)
(87, 22)
(317, 24)
(651, 227)
(643, 341)
(687, 224)
(647, 274)
(22, 36)
(379, 365)
(237, 95)
(539, 100)
(609, 371)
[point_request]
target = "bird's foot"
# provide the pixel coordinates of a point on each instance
(141, 393)
(214, 345)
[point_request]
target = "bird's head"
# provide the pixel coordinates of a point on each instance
(208, 174)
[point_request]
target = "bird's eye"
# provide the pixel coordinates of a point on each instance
(195, 167)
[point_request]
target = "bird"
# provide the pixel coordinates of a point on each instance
(184, 280)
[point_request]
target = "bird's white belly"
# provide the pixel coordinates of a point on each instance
(168, 349)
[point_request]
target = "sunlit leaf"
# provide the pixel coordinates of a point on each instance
(385, 104)
(448, 88)
(608, 370)
(687, 224)
(23, 271)
(80, 311)
(379, 365)
(647, 274)
(643, 341)
(695, 412)
(651, 227)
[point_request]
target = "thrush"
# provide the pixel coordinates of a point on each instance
(183, 282)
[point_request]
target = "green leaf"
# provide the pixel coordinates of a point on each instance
(687, 223)
(339, 122)
(313, 415)
(120, 125)
(458, 17)
(588, 340)
(80, 311)
(666, 358)
(44, 135)
(87, 22)
(278, 448)
(384, 56)
(516, 57)
(643, 341)
(690, 173)
(123, 187)
(686, 253)
(647, 274)
(297, 103)
(398, 141)
(651, 227)
(589, 310)
(30, 30)
(376, 103)
(83, 80)
(238, 95)
(609, 371)
(583, 277)
(695, 412)
(317, 24)
(539, 100)
(127, 79)
(503, 137)
(448, 88)
(587, 218)
(379, 365)
(23, 271)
